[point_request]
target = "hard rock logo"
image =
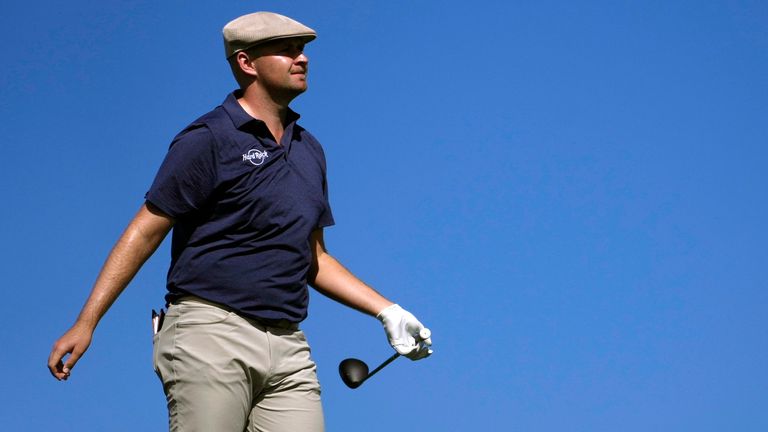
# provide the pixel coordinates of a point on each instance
(255, 156)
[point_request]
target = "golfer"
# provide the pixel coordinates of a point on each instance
(244, 190)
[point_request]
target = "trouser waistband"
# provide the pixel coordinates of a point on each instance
(265, 322)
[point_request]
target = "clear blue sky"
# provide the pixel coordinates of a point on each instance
(572, 195)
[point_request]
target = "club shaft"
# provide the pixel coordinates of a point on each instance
(381, 366)
(394, 357)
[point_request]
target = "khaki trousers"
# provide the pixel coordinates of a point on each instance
(225, 373)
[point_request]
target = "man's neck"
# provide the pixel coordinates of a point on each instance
(261, 106)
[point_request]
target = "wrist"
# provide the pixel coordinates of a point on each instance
(85, 324)
(387, 311)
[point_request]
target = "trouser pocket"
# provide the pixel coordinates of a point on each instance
(155, 340)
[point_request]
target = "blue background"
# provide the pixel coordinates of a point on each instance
(572, 195)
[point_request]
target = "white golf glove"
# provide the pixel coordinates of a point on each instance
(406, 334)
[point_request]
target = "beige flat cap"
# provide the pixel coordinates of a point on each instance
(259, 27)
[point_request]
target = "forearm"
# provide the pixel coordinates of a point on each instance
(142, 237)
(338, 283)
(330, 278)
(139, 241)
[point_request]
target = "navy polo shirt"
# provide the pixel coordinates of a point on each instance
(245, 207)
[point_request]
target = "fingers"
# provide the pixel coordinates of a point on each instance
(418, 352)
(413, 326)
(425, 336)
(71, 360)
(420, 335)
(416, 347)
(55, 365)
(423, 342)
(74, 343)
(405, 349)
(61, 370)
(406, 334)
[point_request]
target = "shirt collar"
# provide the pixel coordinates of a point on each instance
(240, 117)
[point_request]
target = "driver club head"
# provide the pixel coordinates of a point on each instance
(353, 372)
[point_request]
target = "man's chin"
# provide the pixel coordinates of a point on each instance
(300, 88)
(291, 93)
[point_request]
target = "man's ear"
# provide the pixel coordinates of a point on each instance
(245, 64)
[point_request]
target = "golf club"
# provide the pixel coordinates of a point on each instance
(354, 372)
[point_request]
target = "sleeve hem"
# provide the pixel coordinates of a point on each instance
(162, 207)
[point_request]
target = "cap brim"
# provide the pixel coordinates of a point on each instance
(308, 37)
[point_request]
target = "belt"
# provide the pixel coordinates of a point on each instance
(264, 322)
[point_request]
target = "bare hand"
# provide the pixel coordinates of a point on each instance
(74, 342)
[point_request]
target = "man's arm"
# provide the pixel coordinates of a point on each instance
(330, 278)
(139, 241)
(335, 281)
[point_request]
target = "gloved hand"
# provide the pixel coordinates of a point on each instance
(403, 331)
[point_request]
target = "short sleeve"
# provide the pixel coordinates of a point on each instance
(187, 177)
(326, 217)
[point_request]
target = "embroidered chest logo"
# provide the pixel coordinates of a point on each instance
(255, 156)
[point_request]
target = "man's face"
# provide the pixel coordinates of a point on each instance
(281, 66)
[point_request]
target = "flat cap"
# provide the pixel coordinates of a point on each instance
(259, 27)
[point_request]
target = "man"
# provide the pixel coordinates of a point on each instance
(244, 189)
